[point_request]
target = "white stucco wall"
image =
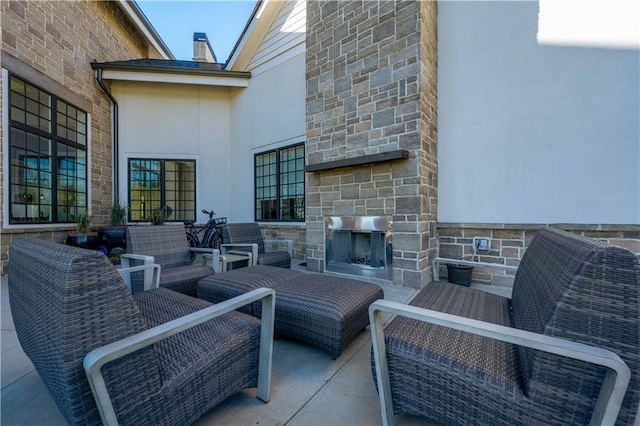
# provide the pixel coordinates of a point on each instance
(178, 121)
(269, 114)
(532, 133)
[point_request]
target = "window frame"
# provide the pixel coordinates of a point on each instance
(58, 135)
(278, 184)
(162, 187)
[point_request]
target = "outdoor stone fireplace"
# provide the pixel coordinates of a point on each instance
(371, 148)
(360, 245)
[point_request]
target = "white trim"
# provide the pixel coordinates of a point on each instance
(175, 78)
(5, 148)
(144, 29)
(89, 163)
(279, 144)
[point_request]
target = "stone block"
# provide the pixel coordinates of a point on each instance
(415, 279)
(509, 234)
(408, 205)
(384, 118)
(512, 243)
(450, 251)
(379, 77)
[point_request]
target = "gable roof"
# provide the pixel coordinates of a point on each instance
(157, 47)
(257, 27)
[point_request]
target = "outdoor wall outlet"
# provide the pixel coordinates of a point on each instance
(481, 243)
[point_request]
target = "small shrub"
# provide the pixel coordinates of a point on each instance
(119, 213)
(160, 215)
(83, 220)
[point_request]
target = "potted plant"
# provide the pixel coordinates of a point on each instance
(119, 212)
(114, 236)
(160, 215)
(83, 236)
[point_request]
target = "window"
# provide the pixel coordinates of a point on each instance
(154, 184)
(280, 184)
(48, 156)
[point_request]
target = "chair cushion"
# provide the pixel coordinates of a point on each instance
(184, 279)
(421, 354)
(159, 306)
(281, 259)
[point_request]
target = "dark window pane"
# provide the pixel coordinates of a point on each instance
(279, 184)
(32, 157)
(157, 183)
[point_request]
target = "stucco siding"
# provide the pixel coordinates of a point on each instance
(269, 114)
(532, 133)
(177, 121)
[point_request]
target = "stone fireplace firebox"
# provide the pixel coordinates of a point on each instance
(360, 245)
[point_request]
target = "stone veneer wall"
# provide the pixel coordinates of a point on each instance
(371, 88)
(509, 242)
(53, 43)
(297, 233)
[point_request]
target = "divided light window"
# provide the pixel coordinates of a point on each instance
(154, 184)
(279, 184)
(48, 156)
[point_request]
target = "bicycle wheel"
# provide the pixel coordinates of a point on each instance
(193, 242)
(215, 240)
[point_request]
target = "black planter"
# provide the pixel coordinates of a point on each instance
(87, 241)
(459, 274)
(114, 240)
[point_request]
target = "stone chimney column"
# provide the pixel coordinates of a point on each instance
(372, 89)
(202, 50)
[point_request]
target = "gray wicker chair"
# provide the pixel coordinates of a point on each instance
(559, 352)
(157, 357)
(167, 246)
(248, 237)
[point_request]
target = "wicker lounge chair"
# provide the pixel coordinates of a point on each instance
(560, 352)
(157, 357)
(167, 246)
(248, 237)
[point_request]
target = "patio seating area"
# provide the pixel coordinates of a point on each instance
(307, 386)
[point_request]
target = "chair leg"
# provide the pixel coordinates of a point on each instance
(266, 348)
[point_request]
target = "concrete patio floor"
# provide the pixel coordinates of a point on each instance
(308, 387)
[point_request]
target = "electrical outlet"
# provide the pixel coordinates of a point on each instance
(481, 243)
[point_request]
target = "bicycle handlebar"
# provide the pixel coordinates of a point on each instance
(210, 213)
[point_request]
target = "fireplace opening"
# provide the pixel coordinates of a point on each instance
(360, 245)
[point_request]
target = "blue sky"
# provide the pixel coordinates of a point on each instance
(176, 21)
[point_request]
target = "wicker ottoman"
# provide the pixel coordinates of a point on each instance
(323, 311)
(235, 282)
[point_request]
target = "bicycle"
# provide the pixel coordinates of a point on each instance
(208, 235)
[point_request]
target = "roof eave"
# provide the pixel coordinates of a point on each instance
(169, 70)
(131, 8)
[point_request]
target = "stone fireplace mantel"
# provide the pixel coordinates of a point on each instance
(358, 161)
